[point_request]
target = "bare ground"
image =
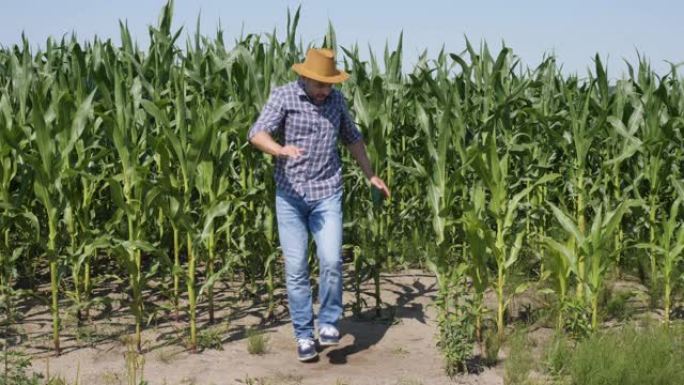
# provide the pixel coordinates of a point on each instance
(398, 348)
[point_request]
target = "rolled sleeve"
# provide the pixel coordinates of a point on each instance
(349, 133)
(271, 117)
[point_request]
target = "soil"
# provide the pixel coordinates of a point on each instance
(397, 348)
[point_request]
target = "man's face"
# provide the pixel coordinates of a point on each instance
(316, 90)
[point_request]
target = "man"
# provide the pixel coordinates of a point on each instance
(309, 116)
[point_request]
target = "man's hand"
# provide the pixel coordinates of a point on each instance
(264, 142)
(380, 185)
(358, 151)
(289, 151)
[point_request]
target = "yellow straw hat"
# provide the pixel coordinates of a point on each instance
(320, 65)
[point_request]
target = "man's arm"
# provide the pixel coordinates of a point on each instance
(353, 139)
(264, 142)
(358, 151)
(269, 121)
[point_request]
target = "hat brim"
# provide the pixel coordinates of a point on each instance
(302, 70)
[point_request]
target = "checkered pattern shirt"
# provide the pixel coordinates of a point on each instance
(293, 119)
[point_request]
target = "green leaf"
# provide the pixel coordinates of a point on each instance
(515, 250)
(567, 223)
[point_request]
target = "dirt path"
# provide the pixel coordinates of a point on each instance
(397, 350)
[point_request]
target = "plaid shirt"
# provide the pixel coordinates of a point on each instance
(295, 120)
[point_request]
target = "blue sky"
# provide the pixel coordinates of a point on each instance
(574, 30)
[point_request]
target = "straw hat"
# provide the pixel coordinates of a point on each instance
(320, 65)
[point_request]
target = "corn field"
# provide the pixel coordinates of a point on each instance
(132, 165)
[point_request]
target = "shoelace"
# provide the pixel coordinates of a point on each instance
(328, 331)
(305, 343)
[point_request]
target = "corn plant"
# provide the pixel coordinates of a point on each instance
(130, 189)
(561, 262)
(583, 135)
(184, 150)
(670, 246)
(64, 119)
(116, 151)
(654, 158)
(505, 242)
(15, 218)
(373, 115)
(455, 311)
(621, 147)
(594, 244)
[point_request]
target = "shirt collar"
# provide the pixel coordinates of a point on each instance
(301, 92)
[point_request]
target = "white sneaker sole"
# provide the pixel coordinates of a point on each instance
(328, 343)
(308, 358)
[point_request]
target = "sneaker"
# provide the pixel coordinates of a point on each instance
(306, 349)
(328, 335)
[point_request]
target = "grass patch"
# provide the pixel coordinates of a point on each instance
(111, 378)
(288, 379)
(278, 379)
(409, 381)
(655, 294)
(15, 369)
(492, 345)
(629, 356)
(253, 381)
(257, 342)
(400, 351)
(212, 337)
(618, 306)
(558, 355)
(519, 361)
(167, 356)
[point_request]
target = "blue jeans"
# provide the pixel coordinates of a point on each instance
(323, 218)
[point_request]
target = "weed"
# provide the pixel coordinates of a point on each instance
(400, 351)
(257, 342)
(166, 356)
(212, 337)
(577, 321)
(630, 356)
(111, 378)
(253, 381)
(558, 355)
(618, 307)
(409, 381)
(456, 342)
(16, 370)
(492, 346)
(519, 362)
